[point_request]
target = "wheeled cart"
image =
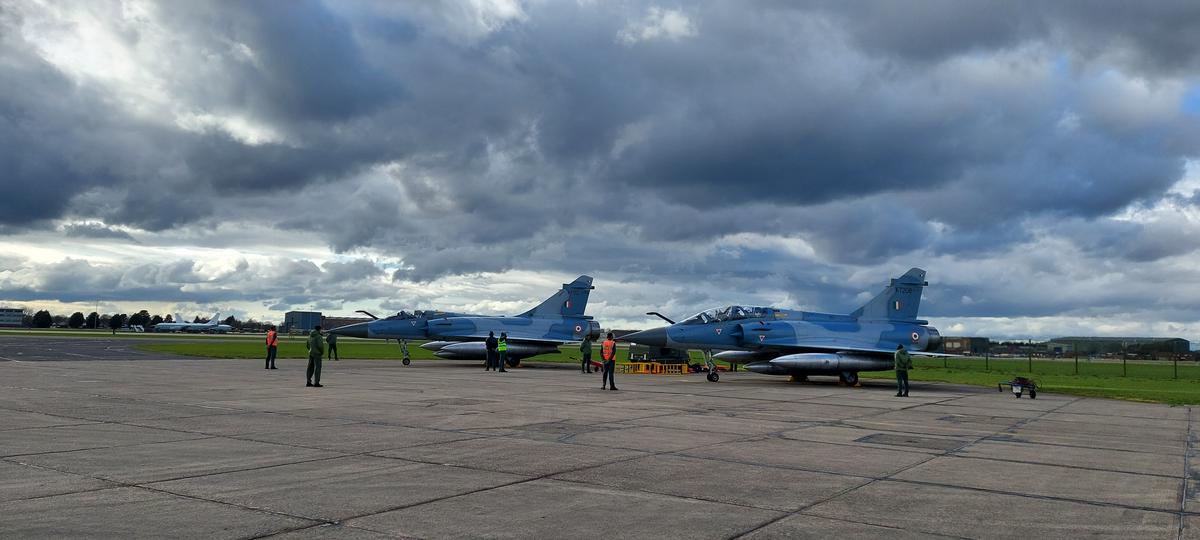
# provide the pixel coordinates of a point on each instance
(1019, 385)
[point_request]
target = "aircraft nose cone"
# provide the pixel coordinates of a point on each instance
(656, 337)
(351, 330)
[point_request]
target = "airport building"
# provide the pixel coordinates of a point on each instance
(971, 346)
(1118, 345)
(11, 317)
(300, 321)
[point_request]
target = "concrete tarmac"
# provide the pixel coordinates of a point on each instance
(93, 445)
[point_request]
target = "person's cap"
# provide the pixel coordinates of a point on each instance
(318, 327)
(610, 335)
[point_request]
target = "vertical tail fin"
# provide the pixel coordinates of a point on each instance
(899, 301)
(214, 320)
(571, 301)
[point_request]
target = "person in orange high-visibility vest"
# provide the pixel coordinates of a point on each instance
(608, 353)
(272, 344)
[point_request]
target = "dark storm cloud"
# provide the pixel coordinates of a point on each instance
(290, 281)
(355, 270)
(34, 131)
(300, 61)
(558, 139)
(1152, 39)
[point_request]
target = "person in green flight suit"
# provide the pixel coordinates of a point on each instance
(585, 349)
(331, 341)
(316, 349)
(903, 363)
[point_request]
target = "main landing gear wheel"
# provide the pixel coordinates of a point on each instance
(799, 378)
(849, 378)
(712, 366)
(404, 351)
(512, 362)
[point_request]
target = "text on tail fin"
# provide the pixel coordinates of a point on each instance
(899, 301)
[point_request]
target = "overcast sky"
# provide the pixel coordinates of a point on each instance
(1041, 160)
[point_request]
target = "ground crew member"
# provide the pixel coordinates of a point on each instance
(272, 346)
(585, 349)
(608, 354)
(903, 364)
(331, 340)
(316, 349)
(491, 344)
(502, 348)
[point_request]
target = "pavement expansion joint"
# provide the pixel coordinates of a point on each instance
(1187, 463)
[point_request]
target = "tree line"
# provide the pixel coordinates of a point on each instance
(116, 321)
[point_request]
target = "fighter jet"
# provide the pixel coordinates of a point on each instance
(777, 341)
(540, 330)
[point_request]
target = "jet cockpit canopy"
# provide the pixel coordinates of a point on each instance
(728, 313)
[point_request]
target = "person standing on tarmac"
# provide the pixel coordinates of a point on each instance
(316, 349)
(608, 354)
(903, 363)
(502, 348)
(331, 340)
(585, 349)
(272, 346)
(490, 344)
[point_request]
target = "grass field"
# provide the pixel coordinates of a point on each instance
(122, 334)
(1136, 381)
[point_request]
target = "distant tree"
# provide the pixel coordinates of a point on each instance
(198, 320)
(231, 321)
(59, 320)
(143, 318)
(76, 320)
(27, 320)
(156, 320)
(93, 320)
(168, 318)
(42, 319)
(116, 321)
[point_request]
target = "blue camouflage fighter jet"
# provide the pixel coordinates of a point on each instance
(557, 320)
(777, 341)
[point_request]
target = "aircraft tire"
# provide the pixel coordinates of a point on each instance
(713, 377)
(406, 361)
(512, 362)
(849, 378)
(798, 378)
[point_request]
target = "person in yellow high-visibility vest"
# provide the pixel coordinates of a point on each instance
(502, 348)
(608, 353)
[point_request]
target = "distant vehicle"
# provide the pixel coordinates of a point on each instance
(777, 341)
(135, 328)
(557, 320)
(212, 326)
